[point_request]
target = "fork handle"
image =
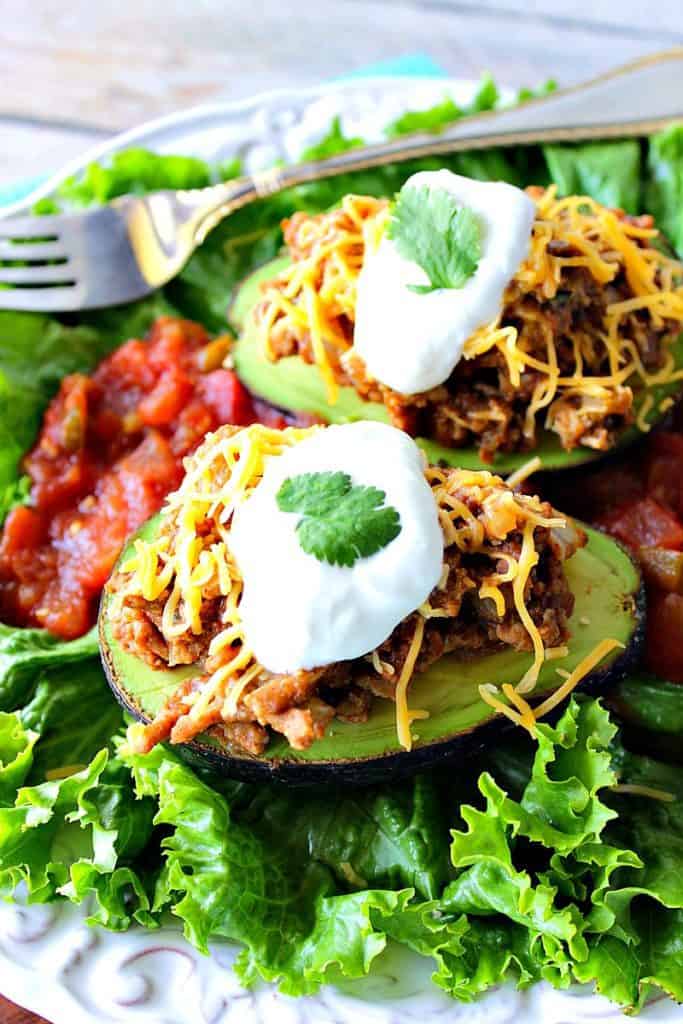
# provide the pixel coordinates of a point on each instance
(635, 99)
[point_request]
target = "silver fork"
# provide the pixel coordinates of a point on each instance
(122, 251)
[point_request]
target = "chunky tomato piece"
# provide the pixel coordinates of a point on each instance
(110, 450)
(225, 394)
(24, 529)
(162, 406)
(145, 477)
(662, 568)
(69, 614)
(667, 443)
(127, 369)
(645, 523)
(665, 636)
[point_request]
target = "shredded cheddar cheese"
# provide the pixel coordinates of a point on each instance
(315, 297)
(221, 475)
(404, 716)
(524, 472)
(189, 561)
(633, 789)
(527, 716)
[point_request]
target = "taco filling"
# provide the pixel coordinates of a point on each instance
(309, 572)
(479, 314)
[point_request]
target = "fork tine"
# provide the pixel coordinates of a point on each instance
(61, 272)
(31, 227)
(42, 300)
(31, 251)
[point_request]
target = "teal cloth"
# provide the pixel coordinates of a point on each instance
(415, 65)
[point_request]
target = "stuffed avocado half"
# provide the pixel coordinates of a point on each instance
(423, 650)
(566, 346)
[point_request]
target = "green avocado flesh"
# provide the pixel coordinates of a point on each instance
(297, 386)
(606, 585)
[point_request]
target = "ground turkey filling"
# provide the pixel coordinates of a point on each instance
(456, 619)
(479, 403)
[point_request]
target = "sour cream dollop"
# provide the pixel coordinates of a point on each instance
(301, 613)
(412, 342)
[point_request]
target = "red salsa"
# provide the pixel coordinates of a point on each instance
(111, 447)
(639, 500)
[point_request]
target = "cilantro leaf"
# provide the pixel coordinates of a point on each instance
(313, 494)
(341, 522)
(443, 237)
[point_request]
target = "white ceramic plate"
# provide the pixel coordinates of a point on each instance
(51, 962)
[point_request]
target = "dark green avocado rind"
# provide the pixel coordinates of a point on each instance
(297, 386)
(609, 603)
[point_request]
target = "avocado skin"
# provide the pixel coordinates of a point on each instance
(295, 386)
(145, 689)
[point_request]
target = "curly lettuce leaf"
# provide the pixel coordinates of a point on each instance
(432, 119)
(544, 886)
(576, 864)
(75, 836)
(562, 878)
(16, 756)
(36, 352)
(638, 943)
(492, 949)
(134, 171)
(34, 833)
(333, 142)
(221, 879)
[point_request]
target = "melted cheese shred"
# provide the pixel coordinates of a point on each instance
(198, 565)
(522, 713)
(405, 717)
(505, 512)
(221, 474)
(316, 294)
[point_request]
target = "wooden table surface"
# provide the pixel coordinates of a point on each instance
(76, 71)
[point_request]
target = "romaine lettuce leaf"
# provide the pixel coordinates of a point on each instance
(664, 187)
(25, 653)
(608, 171)
(370, 838)
(650, 703)
(73, 711)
